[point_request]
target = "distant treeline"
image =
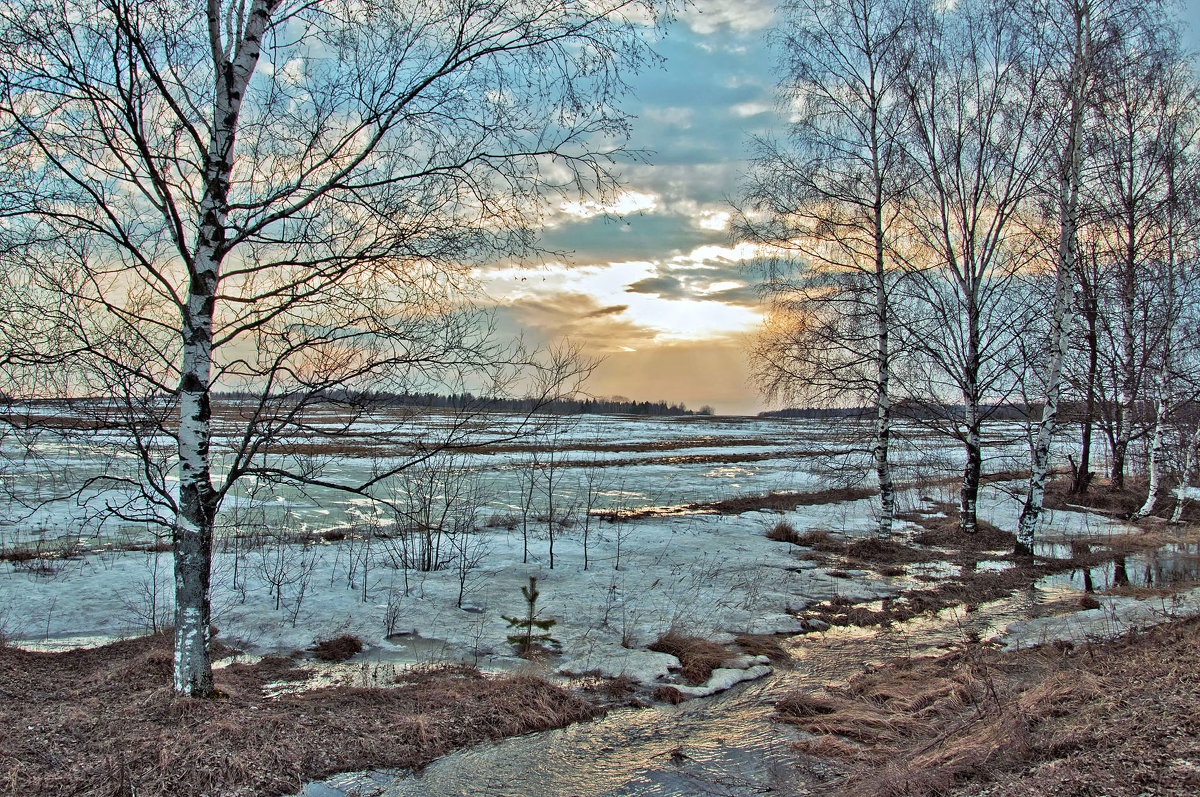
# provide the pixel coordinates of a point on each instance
(908, 410)
(1068, 411)
(462, 401)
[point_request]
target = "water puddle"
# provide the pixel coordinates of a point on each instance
(1169, 566)
(725, 745)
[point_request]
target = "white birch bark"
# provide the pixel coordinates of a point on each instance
(883, 402)
(193, 534)
(1189, 468)
(1062, 320)
(969, 493)
(1156, 452)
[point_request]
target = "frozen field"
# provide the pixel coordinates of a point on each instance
(294, 567)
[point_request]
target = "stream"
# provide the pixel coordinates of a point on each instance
(724, 745)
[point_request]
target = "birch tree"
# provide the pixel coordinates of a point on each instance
(1067, 34)
(974, 142)
(285, 197)
(1176, 382)
(1133, 139)
(828, 200)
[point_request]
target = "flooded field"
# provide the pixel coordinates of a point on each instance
(633, 528)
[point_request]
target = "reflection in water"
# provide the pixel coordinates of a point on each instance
(1169, 566)
(725, 745)
(729, 744)
(1120, 575)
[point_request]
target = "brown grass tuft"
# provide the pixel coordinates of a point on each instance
(784, 532)
(339, 648)
(698, 657)
(669, 694)
(765, 645)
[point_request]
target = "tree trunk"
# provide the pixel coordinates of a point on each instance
(193, 531)
(969, 494)
(1156, 451)
(234, 64)
(883, 401)
(1083, 475)
(1129, 375)
(1189, 467)
(1040, 464)
(1064, 272)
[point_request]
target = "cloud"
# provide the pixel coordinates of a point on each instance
(572, 316)
(615, 309)
(665, 287)
(714, 372)
(724, 283)
(706, 17)
(621, 205)
(753, 108)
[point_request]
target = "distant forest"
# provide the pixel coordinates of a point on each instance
(912, 411)
(460, 401)
(1068, 411)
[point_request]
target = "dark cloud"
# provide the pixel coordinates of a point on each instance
(666, 287)
(697, 281)
(615, 309)
(573, 316)
(743, 296)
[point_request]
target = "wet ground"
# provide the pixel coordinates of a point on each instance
(729, 744)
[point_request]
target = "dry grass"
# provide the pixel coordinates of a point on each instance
(945, 530)
(772, 502)
(784, 532)
(875, 551)
(339, 648)
(103, 722)
(1102, 497)
(765, 645)
(1118, 717)
(669, 694)
(698, 657)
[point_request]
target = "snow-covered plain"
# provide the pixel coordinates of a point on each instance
(281, 586)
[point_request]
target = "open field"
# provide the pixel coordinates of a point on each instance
(676, 557)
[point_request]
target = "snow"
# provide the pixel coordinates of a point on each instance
(724, 678)
(1117, 615)
(706, 575)
(703, 575)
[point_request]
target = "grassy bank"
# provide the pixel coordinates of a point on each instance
(103, 722)
(1115, 719)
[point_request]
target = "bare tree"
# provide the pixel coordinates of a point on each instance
(827, 200)
(1067, 33)
(1134, 140)
(284, 198)
(972, 89)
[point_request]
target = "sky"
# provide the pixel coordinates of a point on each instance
(654, 286)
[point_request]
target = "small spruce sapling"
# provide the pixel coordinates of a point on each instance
(525, 639)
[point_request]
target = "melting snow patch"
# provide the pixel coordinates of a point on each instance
(644, 666)
(725, 677)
